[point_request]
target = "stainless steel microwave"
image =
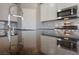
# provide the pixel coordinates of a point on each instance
(67, 12)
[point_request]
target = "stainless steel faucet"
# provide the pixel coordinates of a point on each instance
(9, 20)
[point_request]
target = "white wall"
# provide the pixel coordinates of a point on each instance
(4, 11)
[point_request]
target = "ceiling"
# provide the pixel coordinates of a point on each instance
(28, 5)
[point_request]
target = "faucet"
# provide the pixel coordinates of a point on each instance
(9, 20)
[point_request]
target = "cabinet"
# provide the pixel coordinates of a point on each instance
(48, 11)
(48, 44)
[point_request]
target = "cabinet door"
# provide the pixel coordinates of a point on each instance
(48, 11)
(48, 44)
(4, 45)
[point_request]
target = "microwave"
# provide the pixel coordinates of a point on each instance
(67, 12)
